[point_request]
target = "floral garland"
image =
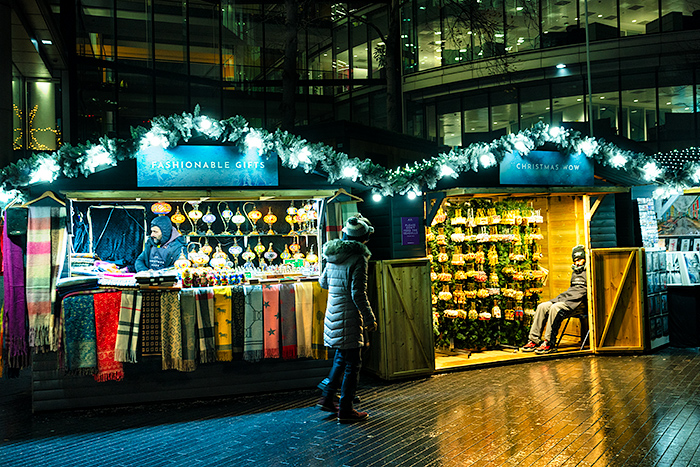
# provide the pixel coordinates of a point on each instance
(294, 152)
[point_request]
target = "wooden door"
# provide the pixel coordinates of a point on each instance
(617, 299)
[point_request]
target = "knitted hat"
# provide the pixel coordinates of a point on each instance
(578, 252)
(358, 227)
(165, 226)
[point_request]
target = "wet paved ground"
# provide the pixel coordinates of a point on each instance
(602, 411)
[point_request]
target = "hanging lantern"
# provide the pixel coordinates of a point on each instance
(238, 219)
(253, 217)
(270, 219)
(312, 257)
(209, 219)
(182, 262)
(206, 248)
(270, 254)
(193, 216)
(178, 218)
(160, 209)
(285, 254)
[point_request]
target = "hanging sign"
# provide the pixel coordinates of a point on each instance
(410, 231)
(548, 168)
(204, 166)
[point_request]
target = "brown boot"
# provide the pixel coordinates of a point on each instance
(352, 416)
(327, 405)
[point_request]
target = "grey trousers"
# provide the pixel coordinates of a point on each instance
(551, 313)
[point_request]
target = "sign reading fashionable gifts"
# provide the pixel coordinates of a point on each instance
(194, 166)
(549, 168)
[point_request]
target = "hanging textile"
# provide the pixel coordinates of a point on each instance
(178, 330)
(150, 323)
(253, 341)
(303, 306)
(125, 345)
(117, 232)
(271, 321)
(15, 315)
(238, 312)
(2, 347)
(205, 324)
(80, 335)
(318, 348)
(45, 254)
(288, 323)
(107, 306)
(223, 324)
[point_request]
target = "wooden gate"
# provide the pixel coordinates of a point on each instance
(403, 344)
(617, 292)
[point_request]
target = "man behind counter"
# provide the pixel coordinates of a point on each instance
(163, 247)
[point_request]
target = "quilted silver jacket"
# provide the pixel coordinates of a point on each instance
(348, 311)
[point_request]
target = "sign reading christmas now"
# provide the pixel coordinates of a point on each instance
(546, 168)
(204, 166)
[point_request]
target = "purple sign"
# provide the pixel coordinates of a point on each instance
(410, 230)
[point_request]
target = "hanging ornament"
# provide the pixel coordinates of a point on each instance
(458, 219)
(445, 294)
(440, 217)
(178, 218)
(238, 219)
(457, 236)
(209, 219)
(285, 254)
(225, 215)
(270, 219)
(193, 215)
(160, 208)
(270, 255)
(253, 217)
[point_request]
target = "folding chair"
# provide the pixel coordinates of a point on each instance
(582, 314)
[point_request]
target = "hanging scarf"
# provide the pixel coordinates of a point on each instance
(253, 341)
(15, 316)
(151, 323)
(107, 306)
(318, 349)
(288, 323)
(45, 242)
(80, 335)
(271, 321)
(238, 312)
(205, 324)
(303, 306)
(2, 347)
(128, 329)
(223, 324)
(178, 330)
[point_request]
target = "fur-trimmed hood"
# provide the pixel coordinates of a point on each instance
(337, 251)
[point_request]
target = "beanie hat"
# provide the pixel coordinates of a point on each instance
(165, 226)
(578, 252)
(358, 227)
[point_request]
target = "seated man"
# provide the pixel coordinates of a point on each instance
(563, 305)
(163, 246)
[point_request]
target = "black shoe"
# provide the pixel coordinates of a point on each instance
(322, 386)
(327, 405)
(352, 416)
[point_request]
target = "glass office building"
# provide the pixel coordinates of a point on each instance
(471, 70)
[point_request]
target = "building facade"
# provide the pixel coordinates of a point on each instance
(470, 70)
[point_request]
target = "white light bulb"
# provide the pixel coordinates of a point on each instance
(446, 170)
(376, 197)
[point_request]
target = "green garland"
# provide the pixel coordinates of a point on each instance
(294, 152)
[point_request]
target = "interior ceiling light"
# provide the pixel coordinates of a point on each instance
(561, 65)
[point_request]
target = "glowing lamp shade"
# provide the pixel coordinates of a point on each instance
(160, 209)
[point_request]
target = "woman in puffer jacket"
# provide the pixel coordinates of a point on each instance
(349, 315)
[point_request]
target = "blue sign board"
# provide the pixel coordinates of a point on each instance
(548, 168)
(410, 231)
(204, 166)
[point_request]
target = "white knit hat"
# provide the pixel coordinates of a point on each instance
(358, 227)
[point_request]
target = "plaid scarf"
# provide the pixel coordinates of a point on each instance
(223, 324)
(253, 341)
(15, 314)
(303, 306)
(288, 323)
(318, 348)
(205, 324)
(271, 320)
(238, 312)
(128, 328)
(45, 252)
(107, 306)
(178, 330)
(151, 323)
(80, 335)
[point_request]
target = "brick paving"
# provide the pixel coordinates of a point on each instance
(584, 411)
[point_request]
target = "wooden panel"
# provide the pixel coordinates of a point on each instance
(403, 344)
(618, 299)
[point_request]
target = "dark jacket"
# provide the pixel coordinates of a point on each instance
(348, 311)
(575, 295)
(163, 256)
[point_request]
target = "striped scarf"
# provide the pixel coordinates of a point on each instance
(271, 320)
(288, 322)
(15, 316)
(178, 330)
(128, 328)
(45, 252)
(107, 306)
(223, 324)
(205, 324)
(253, 340)
(303, 306)
(318, 348)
